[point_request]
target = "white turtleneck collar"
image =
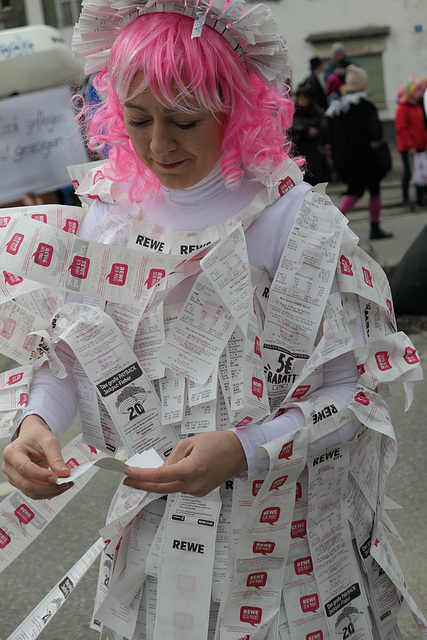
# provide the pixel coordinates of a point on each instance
(206, 203)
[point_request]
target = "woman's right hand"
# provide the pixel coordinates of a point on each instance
(34, 461)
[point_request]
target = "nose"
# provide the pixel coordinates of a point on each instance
(162, 140)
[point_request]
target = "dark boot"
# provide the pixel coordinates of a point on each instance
(408, 206)
(377, 233)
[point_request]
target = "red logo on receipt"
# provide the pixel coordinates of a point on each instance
(361, 398)
(183, 621)
(286, 185)
(310, 603)
(252, 615)
(11, 279)
(270, 515)
(263, 547)
(4, 539)
(118, 274)
(299, 529)
(257, 388)
(43, 255)
(80, 267)
(14, 243)
(287, 450)
(17, 377)
(71, 226)
(361, 369)
(383, 361)
(71, 463)
(24, 514)
(23, 399)
(278, 482)
(257, 580)
(256, 486)
(97, 177)
(301, 391)
(345, 266)
(41, 217)
(244, 422)
(411, 356)
(367, 277)
(303, 566)
(154, 277)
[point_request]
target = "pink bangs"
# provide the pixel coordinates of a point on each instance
(182, 72)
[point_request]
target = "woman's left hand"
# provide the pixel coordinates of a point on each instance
(197, 465)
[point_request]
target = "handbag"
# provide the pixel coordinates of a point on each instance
(419, 168)
(382, 153)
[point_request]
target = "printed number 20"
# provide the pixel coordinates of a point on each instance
(135, 411)
(348, 631)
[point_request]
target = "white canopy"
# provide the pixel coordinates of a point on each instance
(34, 58)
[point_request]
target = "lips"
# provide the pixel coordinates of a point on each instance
(169, 165)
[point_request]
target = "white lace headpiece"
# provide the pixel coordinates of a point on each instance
(252, 33)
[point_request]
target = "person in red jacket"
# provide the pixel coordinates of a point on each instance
(411, 136)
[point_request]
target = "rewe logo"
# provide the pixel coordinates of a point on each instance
(345, 266)
(310, 603)
(286, 185)
(324, 413)
(383, 361)
(411, 356)
(184, 545)
(367, 277)
(286, 451)
(329, 455)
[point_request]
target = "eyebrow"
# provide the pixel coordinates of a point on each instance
(132, 105)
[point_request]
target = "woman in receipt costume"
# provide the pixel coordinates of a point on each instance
(279, 331)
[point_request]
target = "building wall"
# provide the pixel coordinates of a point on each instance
(405, 48)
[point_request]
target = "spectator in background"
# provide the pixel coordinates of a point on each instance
(353, 126)
(411, 136)
(309, 133)
(339, 61)
(314, 79)
(333, 87)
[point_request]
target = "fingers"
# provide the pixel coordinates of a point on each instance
(169, 478)
(196, 466)
(26, 461)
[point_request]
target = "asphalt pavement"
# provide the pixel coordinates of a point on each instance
(31, 576)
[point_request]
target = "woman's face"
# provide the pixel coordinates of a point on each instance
(180, 148)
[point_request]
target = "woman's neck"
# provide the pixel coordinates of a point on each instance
(206, 203)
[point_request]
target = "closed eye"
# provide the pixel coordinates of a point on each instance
(186, 125)
(137, 123)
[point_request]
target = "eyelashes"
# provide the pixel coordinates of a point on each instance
(181, 125)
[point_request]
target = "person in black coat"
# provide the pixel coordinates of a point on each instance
(313, 79)
(309, 133)
(353, 126)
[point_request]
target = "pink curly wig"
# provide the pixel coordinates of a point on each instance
(179, 70)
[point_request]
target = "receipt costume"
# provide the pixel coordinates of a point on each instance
(266, 548)
(208, 309)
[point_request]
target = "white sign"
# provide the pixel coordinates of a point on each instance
(38, 139)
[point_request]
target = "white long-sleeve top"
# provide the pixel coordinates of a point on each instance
(207, 204)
